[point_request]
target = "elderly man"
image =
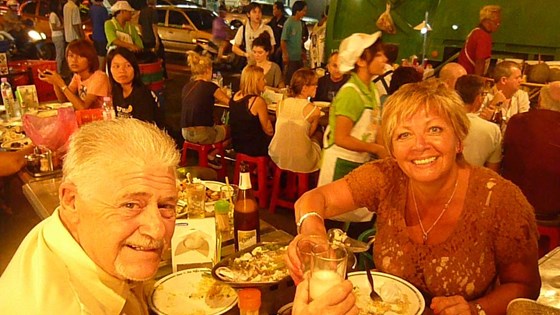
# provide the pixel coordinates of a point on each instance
(475, 55)
(506, 94)
(483, 144)
(532, 152)
(329, 84)
(450, 73)
(120, 31)
(116, 217)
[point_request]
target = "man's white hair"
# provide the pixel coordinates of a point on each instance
(101, 148)
(550, 96)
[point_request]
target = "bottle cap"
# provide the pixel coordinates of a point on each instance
(221, 206)
(249, 299)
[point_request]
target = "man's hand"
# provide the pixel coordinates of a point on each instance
(450, 305)
(339, 300)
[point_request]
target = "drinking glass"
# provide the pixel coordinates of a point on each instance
(229, 193)
(304, 250)
(196, 196)
(328, 268)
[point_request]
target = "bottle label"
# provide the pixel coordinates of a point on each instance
(246, 239)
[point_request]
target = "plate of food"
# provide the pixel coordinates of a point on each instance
(16, 145)
(259, 265)
(212, 195)
(399, 296)
(322, 104)
(191, 291)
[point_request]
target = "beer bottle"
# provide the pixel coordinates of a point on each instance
(497, 115)
(245, 213)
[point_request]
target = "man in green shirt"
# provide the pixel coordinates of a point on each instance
(120, 31)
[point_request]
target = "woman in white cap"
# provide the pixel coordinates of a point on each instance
(351, 137)
(119, 30)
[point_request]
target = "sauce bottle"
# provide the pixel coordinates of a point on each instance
(249, 301)
(245, 213)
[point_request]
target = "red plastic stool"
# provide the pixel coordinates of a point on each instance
(297, 185)
(261, 164)
(549, 229)
(203, 150)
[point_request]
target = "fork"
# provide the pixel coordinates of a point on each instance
(373, 295)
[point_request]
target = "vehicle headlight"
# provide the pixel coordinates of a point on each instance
(35, 36)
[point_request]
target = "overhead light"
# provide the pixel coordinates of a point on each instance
(423, 27)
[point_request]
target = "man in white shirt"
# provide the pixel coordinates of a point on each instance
(506, 94)
(483, 144)
(72, 22)
(243, 41)
(116, 217)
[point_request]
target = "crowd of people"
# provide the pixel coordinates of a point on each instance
(425, 157)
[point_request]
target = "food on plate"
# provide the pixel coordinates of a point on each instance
(211, 195)
(265, 263)
(12, 134)
(394, 301)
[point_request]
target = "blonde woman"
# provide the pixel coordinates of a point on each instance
(295, 146)
(198, 98)
(251, 128)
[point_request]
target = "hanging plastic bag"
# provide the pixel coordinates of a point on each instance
(51, 131)
(385, 21)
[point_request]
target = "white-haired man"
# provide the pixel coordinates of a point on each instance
(116, 217)
(450, 73)
(532, 152)
(475, 55)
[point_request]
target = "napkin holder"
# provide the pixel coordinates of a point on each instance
(194, 244)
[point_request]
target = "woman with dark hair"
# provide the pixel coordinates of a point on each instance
(57, 31)
(355, 113)
(88, 86)
(261, 51)
(131, 98)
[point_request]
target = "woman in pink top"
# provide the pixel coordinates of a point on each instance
(88, 85)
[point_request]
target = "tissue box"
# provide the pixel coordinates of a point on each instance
(194, 244)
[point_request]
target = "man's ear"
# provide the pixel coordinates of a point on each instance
(361, 63)
(67, 194)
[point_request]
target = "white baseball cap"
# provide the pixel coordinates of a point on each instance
(352, 47)
(121, 6)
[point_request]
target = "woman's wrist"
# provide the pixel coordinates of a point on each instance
(64, 88)
(307, 216)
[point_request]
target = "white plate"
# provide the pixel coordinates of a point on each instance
(322, 104)
(180, 293)
(23, 142)
(387, 285)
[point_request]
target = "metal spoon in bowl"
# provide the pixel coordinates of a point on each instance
(373, 295)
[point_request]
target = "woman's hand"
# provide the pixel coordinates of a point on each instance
(293, 262)
(450, 305)
(338, 300)
(52, 77)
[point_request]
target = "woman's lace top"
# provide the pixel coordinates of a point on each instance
(497, 227)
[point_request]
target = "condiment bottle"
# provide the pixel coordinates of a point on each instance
(249, 301)
(221, 211)
(245, 213)
(497, 115)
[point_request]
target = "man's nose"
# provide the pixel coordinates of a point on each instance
(152, 222)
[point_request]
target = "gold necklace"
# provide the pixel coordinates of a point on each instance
(424, 232)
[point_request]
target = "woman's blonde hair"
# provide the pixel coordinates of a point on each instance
(199, 64)
(430, 96)
(250, 77)
(489, 12)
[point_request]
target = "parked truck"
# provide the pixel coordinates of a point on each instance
(529, 29)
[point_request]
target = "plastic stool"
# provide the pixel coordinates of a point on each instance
(297, 185)
(549, 229)
(203, 150)
(261, 163)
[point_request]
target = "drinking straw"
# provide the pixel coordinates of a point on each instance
(228, 186)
